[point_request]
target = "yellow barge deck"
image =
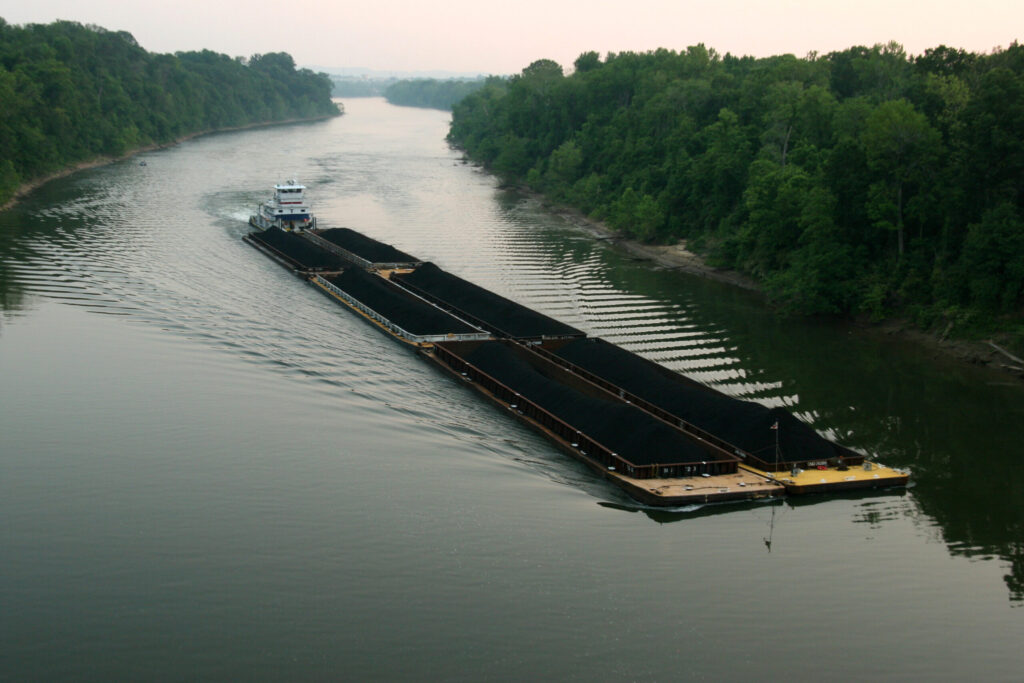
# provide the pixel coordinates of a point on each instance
(870, 475)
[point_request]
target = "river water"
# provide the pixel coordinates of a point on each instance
(208, 470)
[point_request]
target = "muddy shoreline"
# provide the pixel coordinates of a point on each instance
(671, 256)
(988, 353)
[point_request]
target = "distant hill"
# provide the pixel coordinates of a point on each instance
(359, 72)
(353, 86)
(431, 93)
(364, 82)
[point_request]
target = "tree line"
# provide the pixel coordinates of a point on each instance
(431, 93)
(69, 93)
(351, 86)
(861, 182)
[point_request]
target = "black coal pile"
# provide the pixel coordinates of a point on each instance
(633, 434)
(744, 424)
(366, 247)
(303, 252)
(504, 317)
(411, 314)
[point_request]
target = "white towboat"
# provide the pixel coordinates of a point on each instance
(286, 210)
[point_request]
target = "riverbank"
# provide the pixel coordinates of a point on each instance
(987, 353)
(28, 186)
(672, 256)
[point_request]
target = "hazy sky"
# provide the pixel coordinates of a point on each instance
(504, 37)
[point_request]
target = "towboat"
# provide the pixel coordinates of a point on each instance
(286, 210)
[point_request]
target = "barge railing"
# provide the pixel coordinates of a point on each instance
(587, 447)
(392, 327)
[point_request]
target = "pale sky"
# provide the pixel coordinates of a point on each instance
(504, 37)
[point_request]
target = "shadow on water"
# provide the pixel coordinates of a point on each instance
(956, 427)
(17, 230)
(689, 512)
(682, 514)
(12, 298)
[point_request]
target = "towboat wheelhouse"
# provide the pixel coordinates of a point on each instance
(286, 210)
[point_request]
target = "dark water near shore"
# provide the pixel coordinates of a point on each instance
(207, 470)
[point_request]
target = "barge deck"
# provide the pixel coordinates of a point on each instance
(404, 317)
(295, 253)
(361, 250)
(868, 475)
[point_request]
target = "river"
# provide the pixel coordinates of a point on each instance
(210, 471)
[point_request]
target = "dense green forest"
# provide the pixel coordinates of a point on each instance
(431, 92)
(70, 93)
(862, 182)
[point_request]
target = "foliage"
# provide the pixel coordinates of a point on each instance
(431, 92)
(864, 181)
(349, 86)
(69, 93)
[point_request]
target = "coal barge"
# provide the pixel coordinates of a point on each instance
(663, 438)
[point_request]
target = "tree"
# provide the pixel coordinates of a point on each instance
(71, 92)
(811, 174)
(543, 68)
(902, 148)
(588, 61)
(994, 144)
(564, 167)
(993, 259)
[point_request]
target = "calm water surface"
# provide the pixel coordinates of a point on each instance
(208, 471)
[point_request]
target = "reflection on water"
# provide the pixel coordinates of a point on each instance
(160, 245)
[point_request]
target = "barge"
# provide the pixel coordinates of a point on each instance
(663, 438)
(502, 317)
(295, 253)
(361, 250)
(399, 313)
(771, 442)
(651, 460)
